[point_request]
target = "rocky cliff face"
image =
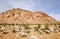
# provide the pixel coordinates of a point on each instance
(20, 16)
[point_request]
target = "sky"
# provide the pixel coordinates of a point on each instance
(50, 7)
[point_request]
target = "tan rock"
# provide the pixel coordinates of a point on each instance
(20, 16)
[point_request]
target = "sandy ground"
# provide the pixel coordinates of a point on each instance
(11, 35)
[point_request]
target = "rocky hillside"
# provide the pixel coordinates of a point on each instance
(20, 16)
(23, 24)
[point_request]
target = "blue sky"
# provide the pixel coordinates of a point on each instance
(50, 7)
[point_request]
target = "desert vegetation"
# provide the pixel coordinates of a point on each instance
(39, 28)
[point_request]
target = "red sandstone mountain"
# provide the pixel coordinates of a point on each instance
(21, 16)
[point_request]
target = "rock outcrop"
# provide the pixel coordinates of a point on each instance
(20, 16)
